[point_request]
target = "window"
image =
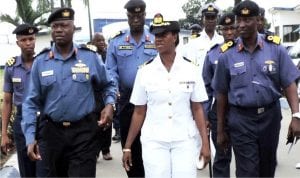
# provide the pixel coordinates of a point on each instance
(291, 33)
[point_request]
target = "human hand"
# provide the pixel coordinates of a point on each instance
(223, 140)
(127, 160)
(5, 144)
(33, 152)
(106, 116)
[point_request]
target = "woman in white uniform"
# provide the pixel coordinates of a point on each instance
(167, 95)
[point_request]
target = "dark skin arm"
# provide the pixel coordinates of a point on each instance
(199, 116)
(222, 136)
(6, 113)
(292, 98)
(136, 124)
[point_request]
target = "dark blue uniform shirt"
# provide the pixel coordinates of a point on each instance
(254, 80)
(16, 78)
(64, 88)
(124, 56)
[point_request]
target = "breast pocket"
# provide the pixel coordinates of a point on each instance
(80, 77)
(150, 52)
(124, 53)
(239, 77)
(186, 88)
(48, 80)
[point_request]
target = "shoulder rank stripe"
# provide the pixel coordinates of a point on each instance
(117, 34)
(11, 61)
(227, 45)
(188, 60)
(274, 39)
(146, 63)
(88, 47)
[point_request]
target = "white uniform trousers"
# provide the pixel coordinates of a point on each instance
(170, 159)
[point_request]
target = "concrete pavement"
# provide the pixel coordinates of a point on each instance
(286, 161)
(113, 168)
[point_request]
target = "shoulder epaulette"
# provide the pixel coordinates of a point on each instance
(146, 63)
(117, 34)
(227, 45)
(188, 60)
(273, 38)
(11, 61)
(43, 51)
(214, 46)
(88, 47)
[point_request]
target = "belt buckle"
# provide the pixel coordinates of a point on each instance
(66, 124)
(260, 110)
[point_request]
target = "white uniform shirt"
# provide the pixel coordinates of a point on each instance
(167, 96)
(196, 49)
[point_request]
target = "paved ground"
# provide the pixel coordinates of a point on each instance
(286, 161)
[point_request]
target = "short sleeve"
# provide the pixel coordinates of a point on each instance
(199, 93)
(139, 95)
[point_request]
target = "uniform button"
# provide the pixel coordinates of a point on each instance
(257, 91)
(169, 91)
(170, 104)
(170, 117)
(169, 79)
(254, 75)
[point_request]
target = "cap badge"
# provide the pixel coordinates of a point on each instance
(245, 11)
(30, 30)
(210, 8)
(137, 9)
(66, 13)
(158, 20)
(227, 20)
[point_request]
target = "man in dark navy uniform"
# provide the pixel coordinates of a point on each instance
(62, 84)
(16, 79)
(126, 52)
(248, 81)
(221, 162)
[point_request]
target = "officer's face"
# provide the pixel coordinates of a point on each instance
(26, 43)
(260, 24)
(228, 32)
(210, 22)
(62, 31)
(99, 42)
(165, 42)
(136, 21)
(246, 26)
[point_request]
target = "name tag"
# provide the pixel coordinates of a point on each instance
(239, 64)
(125, 47)
(149, 46)
(16, 80)
(47, 73)
(80, 70)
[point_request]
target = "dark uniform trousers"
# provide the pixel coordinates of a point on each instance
(254, 134)
(28, 168)
(71, 147)
(221, 162)
(137, 168)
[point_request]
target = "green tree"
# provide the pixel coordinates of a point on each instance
(26, 14)
(191, 9)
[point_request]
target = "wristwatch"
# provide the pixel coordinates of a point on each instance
(296, 115)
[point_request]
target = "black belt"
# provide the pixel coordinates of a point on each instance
(255, 110)
(65, 124)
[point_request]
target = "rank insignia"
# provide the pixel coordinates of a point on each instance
(11, 61)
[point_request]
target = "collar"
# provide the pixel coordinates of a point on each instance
(146, 37)
(54, 54)
(19, 61)
(259, 43)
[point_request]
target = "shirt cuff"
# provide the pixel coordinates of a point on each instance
(109, 99)
(29, 139)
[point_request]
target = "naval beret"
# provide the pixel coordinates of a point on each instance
(210, 9)
(261, 12)
(246, 8)
(64, 13)
(160, 26)
(25, 29)
(135, 6)
(227, 19)
(195, 27)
